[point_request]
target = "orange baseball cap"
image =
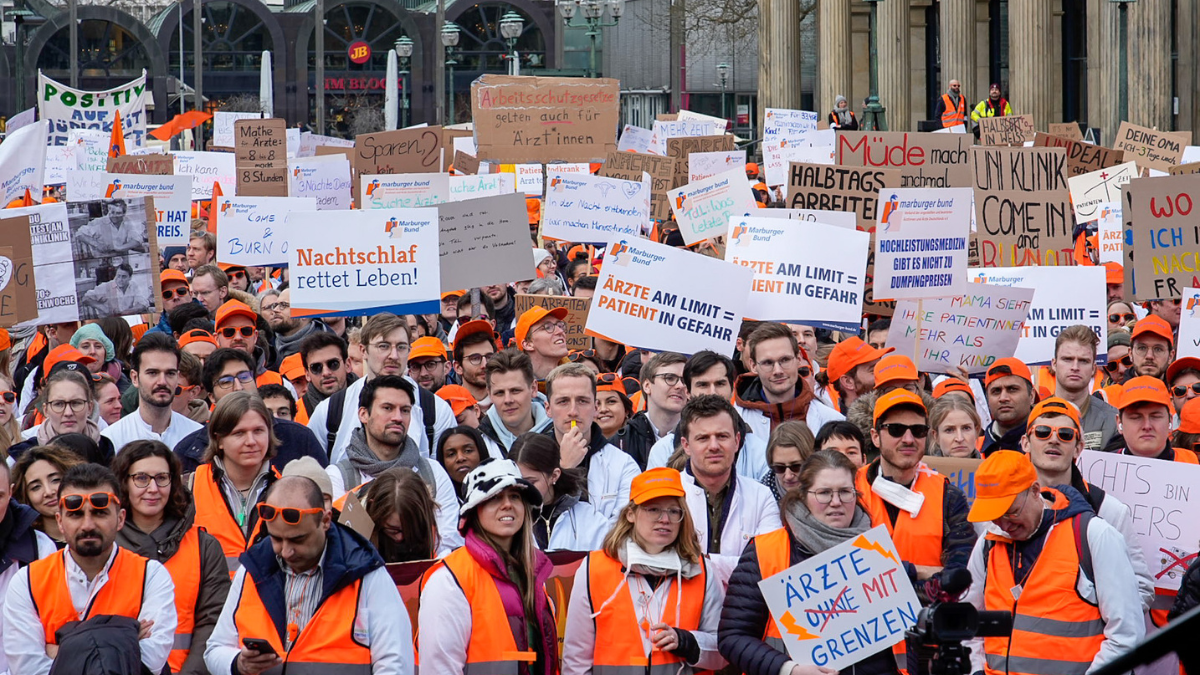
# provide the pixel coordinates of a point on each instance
(427, 347)
(1114, 273)
(1180, 365)
(895, 398)
(659, 482)
(752, 167)
(5, 340)
(1153, 325)
(470, 328)
(531, 317)
(850, 354)
(225, 267)
(1055, 406)
(1145, 389)
(894, 368)
(1001, 477)
(952, 384)
(61, 354)
(292, 367)
(233, 308)
(452, 294)
(1006, 367)
(172, 275)
(457, 396)
(196, 335)
(1189, 417)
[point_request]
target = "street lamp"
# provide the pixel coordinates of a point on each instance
(450, 37)
(404, 50)
(22, 17)
(511, 27)
(1123, 55)
(874, 115)
(723, 72)
(593, 10)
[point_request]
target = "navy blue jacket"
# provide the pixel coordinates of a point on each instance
(295, 441)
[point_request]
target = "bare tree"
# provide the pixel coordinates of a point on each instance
(241, 103)
(707, 24)
(366, 120)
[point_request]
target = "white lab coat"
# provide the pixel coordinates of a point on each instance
(610, 475)
(443, 420)
(751, 461)
(752, 511)
(818, 415)
(579, 528)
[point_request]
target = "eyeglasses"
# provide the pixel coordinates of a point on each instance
(669, 379)
(551, 326)
(781, 469)
(178, 292)
(98, 500)
(844, 495)
(9, 397)
(317, 367)
(656, 513)
(229, 331)
(1181, 390)
(245, 377)
(387, 347)
(430, 365)
(785, 363)
(1015, 511)
(291, 516)
(236, 275)
(1121, 318)
(142, 480)
(277, 307)
(1043, 432)
(1112, 366)
(58, 407)
(584, 354)
(803, 371)
(1141, 349)
(477, 360)
(897, 430)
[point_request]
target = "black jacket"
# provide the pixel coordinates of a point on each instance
(295, 441)
(1189, 592)
(18, 536)
(1009, 441)
(636, 438)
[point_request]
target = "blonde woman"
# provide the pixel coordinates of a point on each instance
(956, 428)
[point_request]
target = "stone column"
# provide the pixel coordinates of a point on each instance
(1150, 29)
(957, 33)
(1031, 60)
(1102, 34)
(833, 44)
(778, 56)
(895, 72)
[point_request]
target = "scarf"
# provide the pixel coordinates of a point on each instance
(815, 536)
(290, 344)
(46, 433)
(844, 116)
(362, 460)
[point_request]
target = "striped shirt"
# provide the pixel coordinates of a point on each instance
(302, 592)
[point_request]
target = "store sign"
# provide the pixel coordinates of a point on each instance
(360, 84)
(359, 51)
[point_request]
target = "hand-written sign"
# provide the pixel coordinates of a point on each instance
(484, 185)
(326, 179)
(260, 147)
(53, 261)
(590, 208)
(545, 119)
(484, 241)
(1066, 130)
(18, 292)
(404, 151)
(1022, 207)
(634, 139)
(703, 165)
(840, 219)
(924, 160)
(223, 126)
(577, 314)
(1091, 191)
(680, 148)
(1009, 130)
(148, 165)
(1149, 148)
(703, 209)
(1189, 324)
(1162, 236)
(251, 230)
(845, 604)
(464, 164)
(1081, 157)
(959, 470)
(630, 165)
(206, 168)
(681, 128)
(840, 188)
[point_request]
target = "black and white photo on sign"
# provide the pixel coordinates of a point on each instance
(111, 247)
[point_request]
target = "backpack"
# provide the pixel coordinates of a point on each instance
(102, 645)
(1079, 525)
(337, 408)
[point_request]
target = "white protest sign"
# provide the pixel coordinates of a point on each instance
(251, 230)
(91, 149)
(1091, 190)
(784, 123)
(663, 131)
(66, 108)
(703, 165)
(23, 118)
(59, 160)
(530, 179)
(325, 179)
(172, 198)
(22, 162)
(778, 154)
(844, 604)
(207, 168)
(223, 126)
(970, 331)
(332, 141)
(1159, 496)
(634, 139)
(292, 134)
(589, 208)
(1110, 233)
(482, 185)
(384, 260)
(1065, 296)
(465, 145)
(703, 209)
(921, 242)
(53, 262)
(567, 169)
(403, 190)
(485, 241)
(690, 116)
(844, 219)
(663, 298)
(794, 281)
(1189, 324)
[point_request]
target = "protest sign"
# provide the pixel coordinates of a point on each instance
(924, 160)
(484, 242)
(18, 288)
(403, 151)
(777, 155)
(1159, 496)
(26, 116)
(1108, 233)
(791, 124)
(921, 243)
(796, 282)
(663, 298)
(403, 191)
(680, 148)
(251, 229)
(971, 331)
(590, 208)
(960, 471)
(325, 179)
(66, 108)
(463, 144)
(1189, 324)
(1063, 297)
(152, 164)
(91, 148)
(719, 123)
(383, 261)
(665, 131)
(260, 148)
(840, 188)
(844, 604)
(1081, 157)
(1149, 148)
(1066, 130)
(223, 122)
(837, 218)
(53, 265)
(703, 209)
(464, 164)
(1007, 130)
(1162, 235)
(567, 169)
(115, 255)
(22, 162)
(577, 314)
(206, 168)
(630, 166)
(1092, 190)
(172, 198)
(1182, 169)
(485, 185)
(545, 119)
(59, 160)
(703, 165)
(634, 139)
(1022, 207)
(530, 178)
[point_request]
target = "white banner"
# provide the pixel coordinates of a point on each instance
(325, 178)
(589, 208)
(207, 168)
(66, 108)
(1189, 324)
(251, 229)
(23, 162)
(703, 209)
(403, 190)
(921, 242)
(53, 263)
(482, 185)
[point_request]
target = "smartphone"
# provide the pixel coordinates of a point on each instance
(258, 645)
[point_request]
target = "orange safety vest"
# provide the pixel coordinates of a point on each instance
(619, 634)
(301, 413)
(774, 551)
(952, 115)
(184, 568)
(117, 597)
(327, 643)
(215, 516)
(1055, 632)
(919, 539)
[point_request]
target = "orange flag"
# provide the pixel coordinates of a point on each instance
(212, 207)
(116, 143)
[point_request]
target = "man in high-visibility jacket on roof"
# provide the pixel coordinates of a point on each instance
(951, 107)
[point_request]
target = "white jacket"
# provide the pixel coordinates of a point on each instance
(579, 528)
(818, 415)
(1116, 513)
(610, 475)
(752, 511)
(579, 642)
(751, 461)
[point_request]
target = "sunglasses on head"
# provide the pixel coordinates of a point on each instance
(897, 430)
(180, 292)
(98, 500)
(229, 331)
(607, 378)
(291, 516)
(1179, 390)
(1112, 366)
(1121, 318)
(1042, 432)
(317, 367)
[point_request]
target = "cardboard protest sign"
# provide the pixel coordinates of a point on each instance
(634, 139)
(1081, 157)
(1008, 130)
(484, 242)
(593, 208)
(403, 191)
(1109, 227)
(1063, 297)
(325, 179)
(921, 243)
(155, 164)
(223, 123)
(1092, 190)
(1066, 130)
(703, 209)
(1159, 496)
(577, 314)
(1022, 207)
(66, 108)
(22, 162)
(924, 160)
(662, 298)
(630, 166)
(543, 119)
(260, 149)
(18, 290)
(484, 185)
(250, 230)
(820, 286)
(1162, 236)
(404, 151)
(91, 148)
(115, 253)
(680, 149)
(840, 188)
(680, 128)
(384, 260)
(206, 168)
(53, 264)
(840, 219)
(172, 198)
(464, 164)
(1193, 167)
(1189, 324)
(703, 165)
(1149, 148)
(971, 331)
(844, 604)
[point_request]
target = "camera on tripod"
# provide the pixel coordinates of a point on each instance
(935, 644)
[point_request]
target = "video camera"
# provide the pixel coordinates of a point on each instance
(935, 644)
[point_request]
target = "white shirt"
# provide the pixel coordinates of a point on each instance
(752, 511)
(381, 618)
(132, 428)
(443, 420)
(45, 547)
(25, 637)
